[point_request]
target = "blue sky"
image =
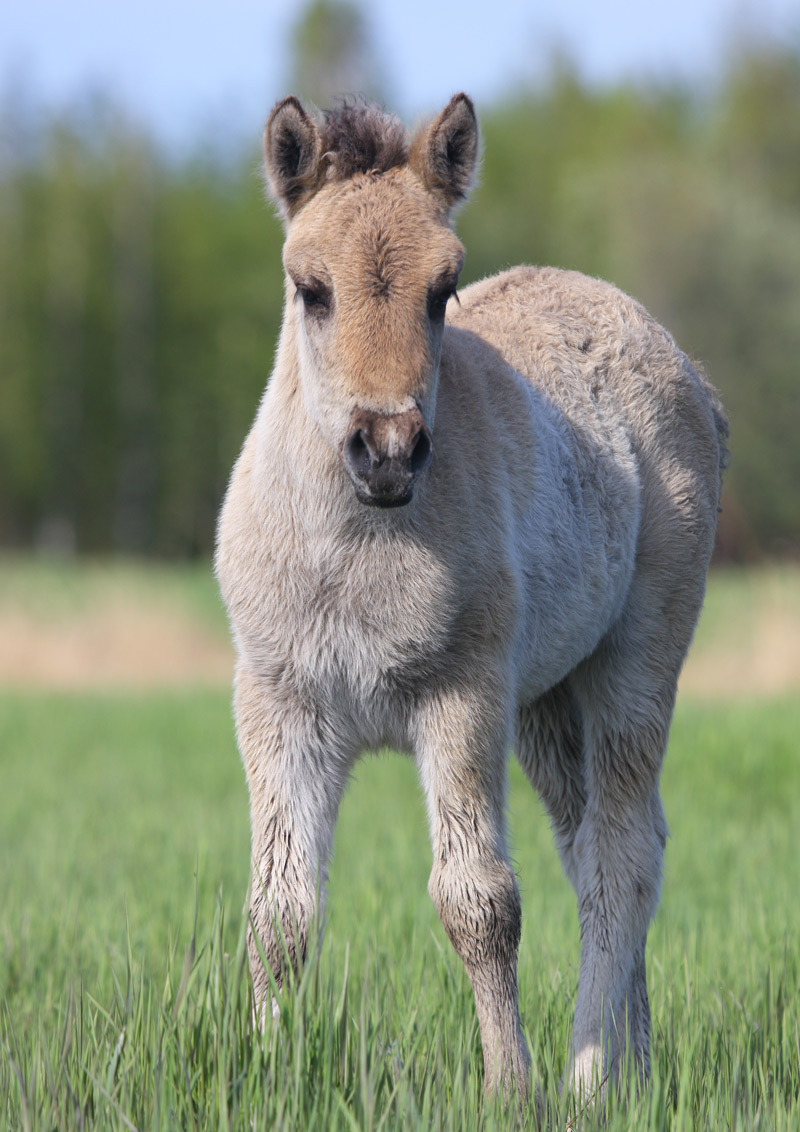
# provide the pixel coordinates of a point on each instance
(186, 67)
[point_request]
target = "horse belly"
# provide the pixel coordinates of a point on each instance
(577, 559)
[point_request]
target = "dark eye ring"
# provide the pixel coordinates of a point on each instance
(315, 298)
(438, 300)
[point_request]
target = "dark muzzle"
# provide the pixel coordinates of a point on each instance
(384, 453)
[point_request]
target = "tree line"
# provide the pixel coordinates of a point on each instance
(140, 294)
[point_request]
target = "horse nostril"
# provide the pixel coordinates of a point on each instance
(421, 451)
(358, 454)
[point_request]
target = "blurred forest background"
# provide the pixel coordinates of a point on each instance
(140, 292)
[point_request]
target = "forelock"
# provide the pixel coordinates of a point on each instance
(358, 137)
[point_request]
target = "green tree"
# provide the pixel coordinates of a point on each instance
(140, 296)
(334, 54)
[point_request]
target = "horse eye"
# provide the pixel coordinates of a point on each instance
(437, 301)
(315, 297)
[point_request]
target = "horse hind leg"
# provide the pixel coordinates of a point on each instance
(561, 766)
(549, 748)
(618, 852)
(639, 1002)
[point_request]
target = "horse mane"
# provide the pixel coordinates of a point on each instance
(359, 137)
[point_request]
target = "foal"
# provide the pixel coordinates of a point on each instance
(458, 535)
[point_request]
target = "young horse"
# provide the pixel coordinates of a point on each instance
(455, 536)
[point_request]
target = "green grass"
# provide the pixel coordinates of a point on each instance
(123, 988)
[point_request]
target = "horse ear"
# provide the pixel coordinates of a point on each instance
(293, 151)
(445, 154)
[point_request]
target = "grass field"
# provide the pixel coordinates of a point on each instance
(123, 986)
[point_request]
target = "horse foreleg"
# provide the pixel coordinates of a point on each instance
(461, 753)
(295, 786)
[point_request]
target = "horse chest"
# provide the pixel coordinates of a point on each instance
(359, 624)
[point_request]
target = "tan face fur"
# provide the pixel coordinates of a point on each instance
(371, 263)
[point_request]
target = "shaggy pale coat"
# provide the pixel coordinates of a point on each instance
(458, 537)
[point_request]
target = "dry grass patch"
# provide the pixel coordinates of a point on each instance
(88, 625)
(117, 625)
(748, 639)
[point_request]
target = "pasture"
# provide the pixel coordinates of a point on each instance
(124, 996)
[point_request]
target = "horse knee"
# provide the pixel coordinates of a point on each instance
(481, 912)
(284, 897)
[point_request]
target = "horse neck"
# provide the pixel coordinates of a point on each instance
(297, 459)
